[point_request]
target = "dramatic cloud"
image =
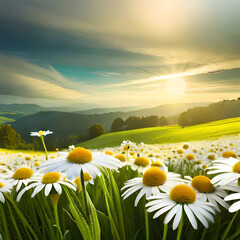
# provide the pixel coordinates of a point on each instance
(119, 52)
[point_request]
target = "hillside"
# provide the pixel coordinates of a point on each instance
(170, 134)
(215, 111)
(64, 124)
(5, 120)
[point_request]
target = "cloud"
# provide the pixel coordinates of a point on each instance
(20, 78)
(211, 68)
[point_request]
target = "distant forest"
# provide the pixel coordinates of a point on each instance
(213, 112)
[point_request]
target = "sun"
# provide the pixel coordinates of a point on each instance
(176, 86)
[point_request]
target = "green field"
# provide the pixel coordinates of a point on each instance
(169, 134)
(5, 119)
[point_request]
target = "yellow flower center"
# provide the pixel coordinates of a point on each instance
(236, 167)
(41, 132)
(229, 154)
(183, 194)
(37, 164)
(77, 181)
(190, 157)
(79, 155)
(202, 184)
(154, 177)
(156, 164)
(2, 184)
(51, 177)
(27, 158)
(211, 157)
(23, 173)
(121, 157)
(108, 152)
(199, 162)
(86, 176)
(204, 166)
(180, 151)
(141, 161)
(185, 146)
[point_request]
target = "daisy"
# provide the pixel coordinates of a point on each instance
(153, 181)
(5, 187)
(40, 133)
(141, 164)
(181, 198)
(20, 176)
(79, 159)
(87, 179)
(228, 170)
(49, 181)
(210, 192)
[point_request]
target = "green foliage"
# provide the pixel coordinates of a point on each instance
(117, 125)
(96, 130)
(4, 119)
(10, 139)
(169, 134)
(213, 112)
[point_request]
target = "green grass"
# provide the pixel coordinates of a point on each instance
(5, 119)
(169, 134)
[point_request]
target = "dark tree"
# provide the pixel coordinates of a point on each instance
(117, 125)
(9, 138)
(96, 130)
(163, 121)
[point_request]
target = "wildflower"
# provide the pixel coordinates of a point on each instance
(5, 187)
(229, 170)
(210, 192)
(72, 162)
(152, 181)
(47, 182)
(40, 133)
(181, 198)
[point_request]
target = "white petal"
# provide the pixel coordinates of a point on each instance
(58, 188)
(190, 216)
(37, 190)
(234, 207)
(177, 217)
(233, 196)
(163, 210)
(171, 214)
(2, 198)
(48, 189)
(140, 195)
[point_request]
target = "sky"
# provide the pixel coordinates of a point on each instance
(119, 53)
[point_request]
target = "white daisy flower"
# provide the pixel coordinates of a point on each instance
(181, 198)
(127, 145)
(153, 181)
(141, 164)
(5, 187)
(20, 176)
(79, 159)
(49, 181)
(40, 133)
(228, 170)
(210, 192)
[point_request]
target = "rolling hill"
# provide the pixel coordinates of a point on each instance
(169, 134)
(64, 124)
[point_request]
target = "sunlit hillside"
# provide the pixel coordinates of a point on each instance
(168, 134)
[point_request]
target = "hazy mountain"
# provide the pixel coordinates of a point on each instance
(64, 123)
(109, 110)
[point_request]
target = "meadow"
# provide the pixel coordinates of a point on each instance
(168, 134)
(182, 190)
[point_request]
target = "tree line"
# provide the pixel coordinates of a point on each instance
(213, 112)
(134, 122)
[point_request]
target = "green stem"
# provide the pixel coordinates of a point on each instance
(180, 229)
(165, 232)
(229, 226)
(84, 192)
(204, 234)
(44, 146)
(55, 206)
(146, 225)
